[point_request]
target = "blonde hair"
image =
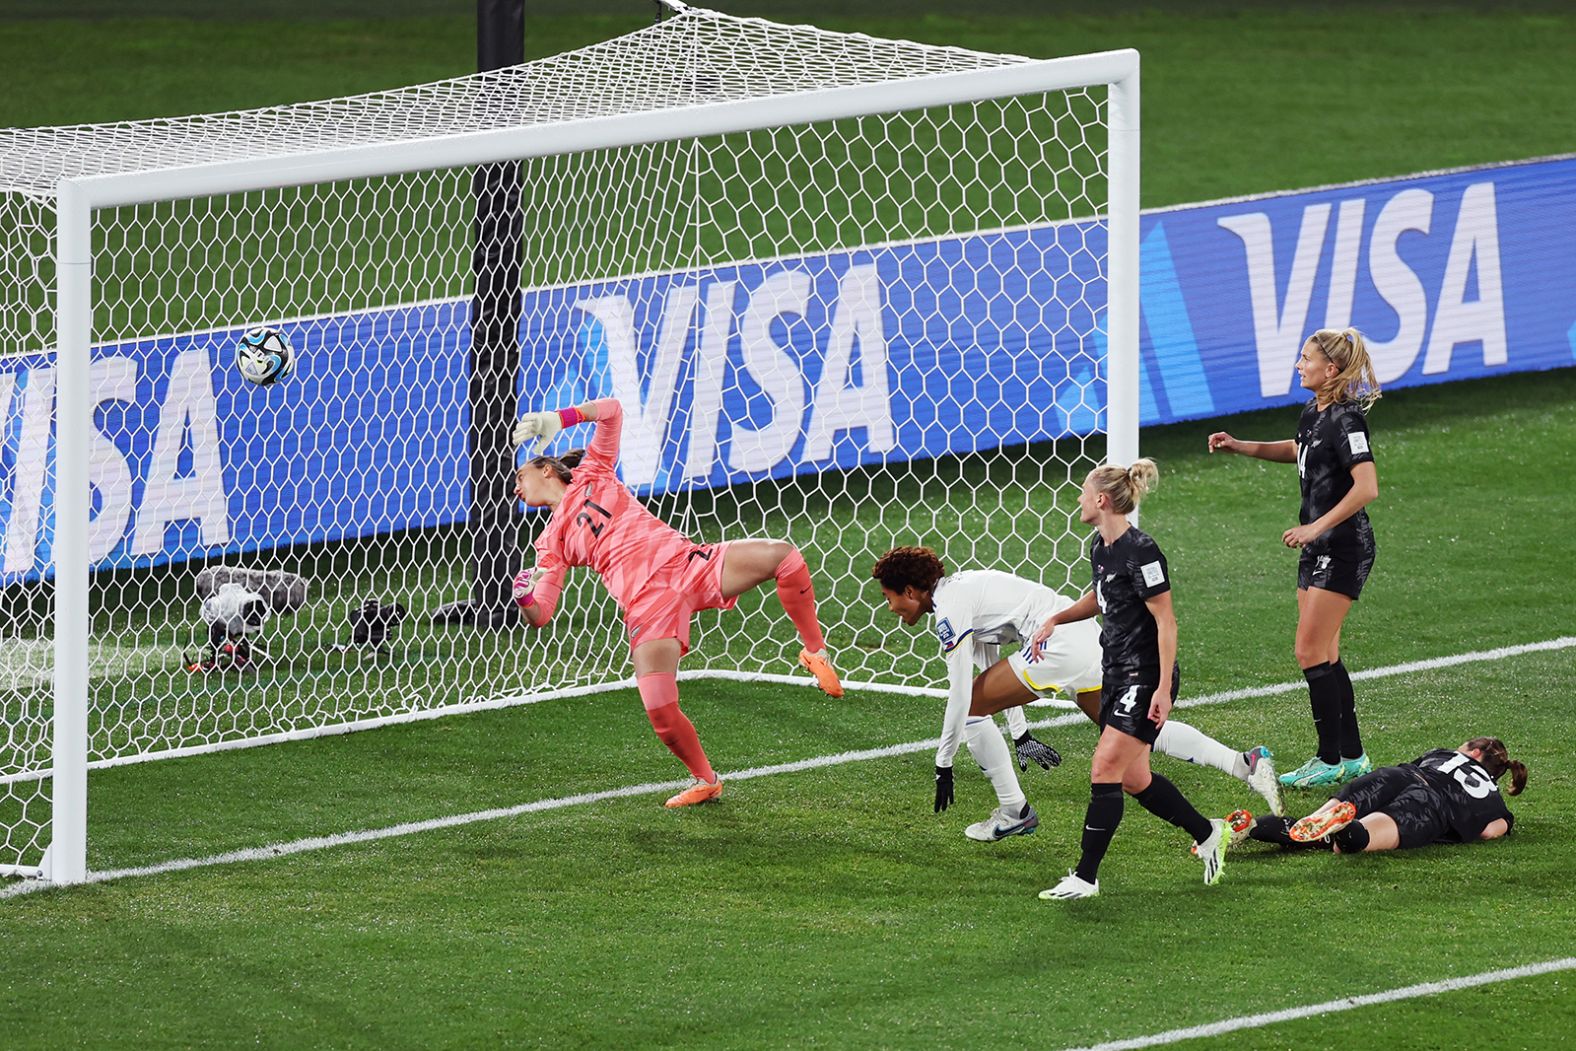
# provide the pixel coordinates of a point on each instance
(1356, 381)
(1126, 486)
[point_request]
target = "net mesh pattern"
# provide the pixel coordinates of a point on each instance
(695, 57)
(849, 334)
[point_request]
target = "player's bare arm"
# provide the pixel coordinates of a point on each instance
(1161, 609)
(1364, 491)
(1276, 452)
(1083, 609)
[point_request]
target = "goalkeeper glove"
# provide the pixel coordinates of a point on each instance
(541, 427)
(1032, 751)
(525, 589)
(944, 795)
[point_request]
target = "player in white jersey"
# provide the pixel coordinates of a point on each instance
(979, 614)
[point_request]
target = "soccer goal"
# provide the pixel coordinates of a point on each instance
(852, 291)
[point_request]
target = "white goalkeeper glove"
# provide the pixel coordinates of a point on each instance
(525, 589)
(539, 426)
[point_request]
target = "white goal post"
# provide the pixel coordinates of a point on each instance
(100, 219)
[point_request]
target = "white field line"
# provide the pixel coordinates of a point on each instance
(1231, 1025)
(411, 828)
(30, 663)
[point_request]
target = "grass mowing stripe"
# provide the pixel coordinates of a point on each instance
(798, 766)
(1409, 992)
(1429, 664)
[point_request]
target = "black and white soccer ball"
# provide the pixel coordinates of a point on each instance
(264, 355)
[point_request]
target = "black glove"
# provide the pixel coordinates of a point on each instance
(944, 795)
(1033, 751)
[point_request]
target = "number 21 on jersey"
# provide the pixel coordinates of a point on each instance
(586, 519)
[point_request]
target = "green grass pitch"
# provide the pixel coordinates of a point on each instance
(831, 908)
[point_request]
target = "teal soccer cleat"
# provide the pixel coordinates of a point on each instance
(1352, 769)
(1315, 773)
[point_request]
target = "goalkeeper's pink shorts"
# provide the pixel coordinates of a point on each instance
(689, 581)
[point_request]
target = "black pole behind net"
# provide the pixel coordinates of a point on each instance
(495, 326)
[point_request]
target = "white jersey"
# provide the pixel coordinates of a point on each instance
(981, 612)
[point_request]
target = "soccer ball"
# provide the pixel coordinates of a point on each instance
(264, 355)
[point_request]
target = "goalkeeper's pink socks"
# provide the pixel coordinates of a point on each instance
(797, 595)
(659, 691)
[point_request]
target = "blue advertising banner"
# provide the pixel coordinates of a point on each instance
(771, 369)
(1450, 276)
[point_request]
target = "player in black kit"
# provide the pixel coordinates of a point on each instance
(1445, 796)
(1336, 467)
(1132, 593)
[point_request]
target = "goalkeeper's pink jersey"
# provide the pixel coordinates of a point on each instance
(600, 524)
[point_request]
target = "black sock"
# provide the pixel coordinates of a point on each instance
(1163, 800)
(1351, 737)
(1324, 694)
(1272, 829)
(1100, 821)
(1353, 839)
(1277, 830)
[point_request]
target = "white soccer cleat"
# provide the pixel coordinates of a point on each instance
(1071, 887)
(1000, 825)
(1261, 778)
(1212, 852)
(1241, 823)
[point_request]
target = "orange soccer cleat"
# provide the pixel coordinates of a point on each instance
(820, 665)
(699, 792)
(1327, 820)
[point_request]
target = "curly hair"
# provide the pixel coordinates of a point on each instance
(904, 567)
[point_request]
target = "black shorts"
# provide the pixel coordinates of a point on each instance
(1125, 706)
(1420, 816)
(1420, 813)
(1341, 570)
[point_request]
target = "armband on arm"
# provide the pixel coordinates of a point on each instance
(543, 427)
(525, 589)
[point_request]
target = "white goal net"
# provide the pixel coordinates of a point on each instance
(852, 292)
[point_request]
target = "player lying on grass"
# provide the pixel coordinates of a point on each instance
(978, 613)
(1445, 796)
(1139, 673)
(658, 576)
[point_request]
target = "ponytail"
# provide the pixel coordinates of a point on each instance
(1126, 486)
(1496, 760)
(1518, 777)
(561, 466)
(1356, 380)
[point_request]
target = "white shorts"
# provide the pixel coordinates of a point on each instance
(1070, 663)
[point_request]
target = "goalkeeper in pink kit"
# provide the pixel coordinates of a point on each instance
(658, 576)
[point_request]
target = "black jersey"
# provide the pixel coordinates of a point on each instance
(1471, 798)
(1330, 442)
(1126, 572)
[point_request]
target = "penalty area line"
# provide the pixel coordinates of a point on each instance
(1410, 992)
(411, 828)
